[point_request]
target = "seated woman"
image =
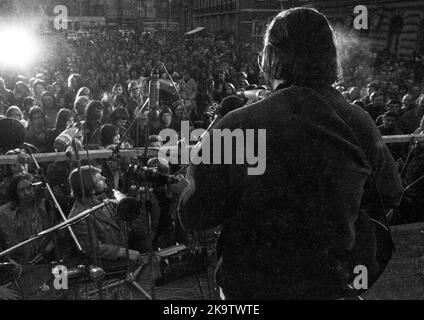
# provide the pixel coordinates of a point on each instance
(106, 237)
(24, 216)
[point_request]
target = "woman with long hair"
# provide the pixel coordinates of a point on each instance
(84, 92)
(15, 113)
(37, 129)
(94, 114)
(64, 119)
(21, 91)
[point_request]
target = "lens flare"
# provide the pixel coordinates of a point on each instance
(18, 48)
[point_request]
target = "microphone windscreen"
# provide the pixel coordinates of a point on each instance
(12, 134)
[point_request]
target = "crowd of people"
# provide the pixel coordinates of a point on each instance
(98, 83)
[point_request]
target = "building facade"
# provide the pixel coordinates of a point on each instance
(145, 14)
(397, 26)
(183, 14)
(124, 12)
(243, 17)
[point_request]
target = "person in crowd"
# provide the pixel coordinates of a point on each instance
(189, 89)
(107, 236)
(37, 130)
(411, 115)
(48, 103)
(15, 113)
(27, 104)
(108, 107)
(38, 88)
(7, 98)
(58, 93)
(391, 106)
(92, 125)
(24, 216)
(21, 91)
(166, 118)
(74, 84)
(84, 92)
(133, 99)
(119, 118)
(371, 88)
(407, 103)
(64, 119)
(117, 90)
(390, 126)
(109, 135)
(377, 106)
(119, 101)
(80, 107)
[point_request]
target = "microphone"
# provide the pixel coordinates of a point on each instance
(255, 95)
(64, 140)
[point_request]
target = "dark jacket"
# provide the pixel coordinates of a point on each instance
(410, 120)
(296, 232)
(106, 235)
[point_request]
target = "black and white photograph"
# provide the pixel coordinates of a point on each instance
(211, 155)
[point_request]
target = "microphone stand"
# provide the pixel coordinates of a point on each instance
(178, 93)
(88, 222)
(148, 203)
(131, 277)
(128, 131)
(78, 218)
(56, 203)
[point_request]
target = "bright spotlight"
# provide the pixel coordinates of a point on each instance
(18, 48)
